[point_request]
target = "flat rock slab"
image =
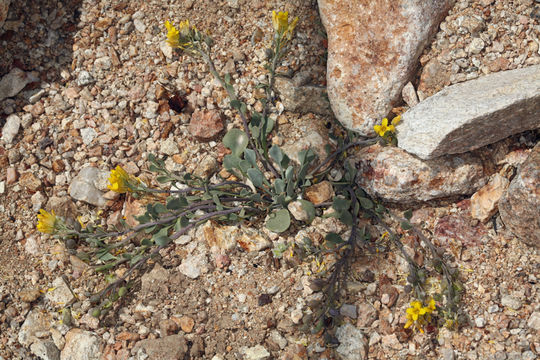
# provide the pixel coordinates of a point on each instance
(469, 115)
(520, 205)
(373, 51)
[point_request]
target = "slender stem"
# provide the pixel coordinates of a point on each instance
(332, 156)
(174, 236)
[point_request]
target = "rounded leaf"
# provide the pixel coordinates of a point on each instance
(279, 221)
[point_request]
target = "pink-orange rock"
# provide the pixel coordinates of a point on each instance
(393, 175)
(373, 51)
(484, 202)
(206, 125)
(520, 205)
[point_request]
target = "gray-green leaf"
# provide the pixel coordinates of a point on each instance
(236, 140)
(279, 221)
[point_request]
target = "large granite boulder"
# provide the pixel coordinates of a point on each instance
(373, 51)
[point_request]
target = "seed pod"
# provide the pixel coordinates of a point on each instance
(66, 316)
(95, 312)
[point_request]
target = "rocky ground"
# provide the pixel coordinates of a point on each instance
(95, 89)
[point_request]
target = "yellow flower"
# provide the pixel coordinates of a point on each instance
(173, 35)
(431, 306)
(384, 127)
(121, 181)
(416, 310)
(280, 22)
(47, 222)
(396, 120)
(290, 28)
(184, 28)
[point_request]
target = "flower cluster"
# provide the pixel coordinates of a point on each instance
(47, 222)
(382, 129)
(282, 27)
(419, 315)
(122, 182)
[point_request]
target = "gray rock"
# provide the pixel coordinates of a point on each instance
(139, 25)
(13, 82)
(4, 7)
(480, 322)
(520, 205)
(88, 135)
(409, 95)
(348, 310)
(534, 321)
(352, 344)
(168, 147)
(168, 347)
(367, 315)
(303, 99)
(83, 187)
(256, 353)
(82, 345)
(367, 68)
(448, 354)
(528, 355)
(166, 49)
(61, 294)
(84, 78)
(511, 302)
(393, 175)
(297, 211)
(155, 280)
(277, 339)
(45, 350)
(11, 128)
(35, 326)
(193, 265)
(469, 115)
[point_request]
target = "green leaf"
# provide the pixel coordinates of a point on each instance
(244, 166)
(279, 186)
(276, 154)
(142, 218)
(340, 204)
(181, 223)
(162, 179)
(279, 221)
(147, 242)
(334, 238)
(151, 211)
(231, 162)
(135, 259)
(227, 78)
(236, 140)
(309, 208)
(408, 214)
(405, 225)
(250, 156)
(104, 255)
(154, 168)
(366, 203)
(256, 177)
(268, 126)
(346, 218)
(160, 208)
(175, 203)
(161, 238)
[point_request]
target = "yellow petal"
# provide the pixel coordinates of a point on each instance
(408, 324)
(385, 122)
(396, 120)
